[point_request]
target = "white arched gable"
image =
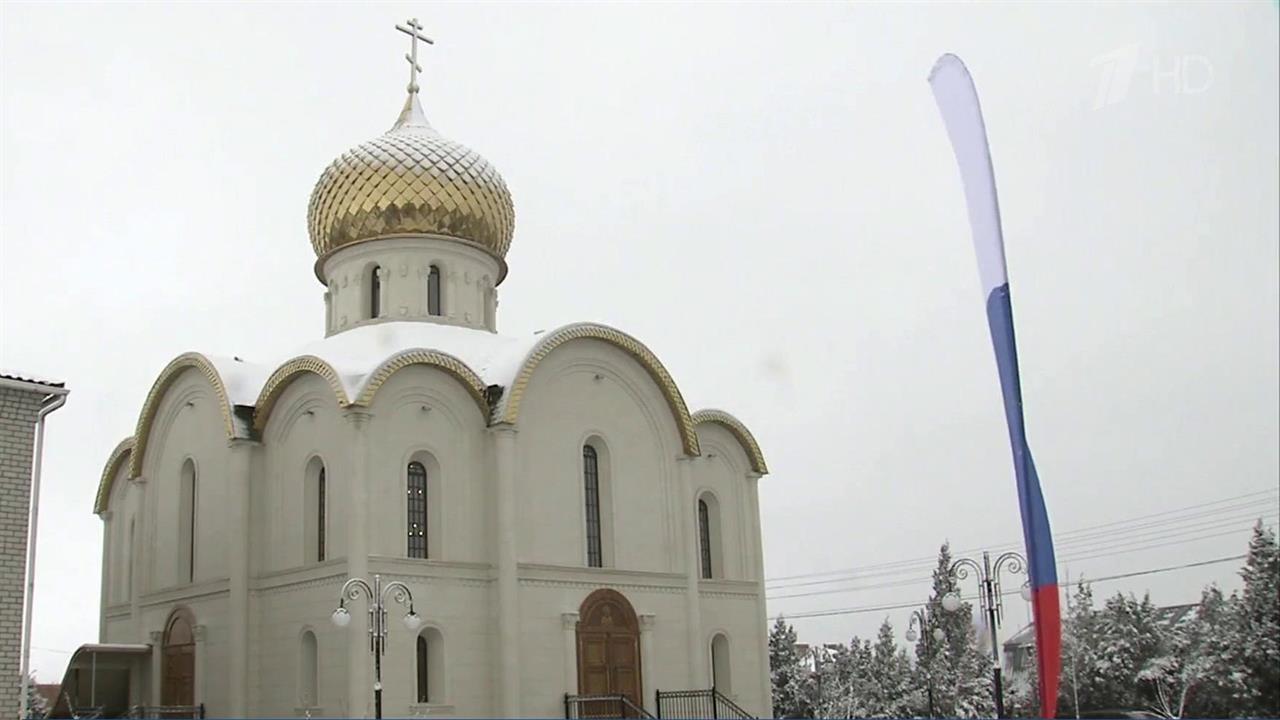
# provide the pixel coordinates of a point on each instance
(513, 398)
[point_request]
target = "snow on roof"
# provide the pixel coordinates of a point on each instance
(242, 379)
(29, 378)
(355, 354)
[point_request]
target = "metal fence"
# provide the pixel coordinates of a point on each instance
(602, 706)
(698, 704)
(167, 712)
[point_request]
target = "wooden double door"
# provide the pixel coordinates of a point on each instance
(179, 661)
(609, 647)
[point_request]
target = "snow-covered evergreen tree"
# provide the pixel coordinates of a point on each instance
(1128, 639)
(961, 673)
(891, 676)
(1080, 679)
(1258, 625)
(788, 673)
(37, 706)
(1187, 658)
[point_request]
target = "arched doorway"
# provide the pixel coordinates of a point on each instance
(179, 660)
(609, 647)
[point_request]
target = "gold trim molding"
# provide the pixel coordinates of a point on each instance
(620, 340)
(431, 358)
(151, 406)
(109, 474)
(284, 376)
(739, 432)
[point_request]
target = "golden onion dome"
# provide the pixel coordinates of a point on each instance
(411, 181)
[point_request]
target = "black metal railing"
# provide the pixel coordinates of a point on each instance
(602, 706)
(167, 712)
(698, 704)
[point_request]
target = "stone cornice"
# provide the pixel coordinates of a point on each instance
(170, 595)
(599, 576)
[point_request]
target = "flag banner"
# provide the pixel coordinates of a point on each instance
(957, 100)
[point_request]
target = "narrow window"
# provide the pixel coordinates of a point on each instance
(187, 523)
(433, 291)
(424, 675)
(417, 502)
(320, 515)
(375, 293)
(310, 669)
(704, 537)
(591, 483)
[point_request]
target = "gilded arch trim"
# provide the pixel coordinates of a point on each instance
(151, 406)
(109, 474)
(284, 376)
(624, 342)
(451, 365)
(739, 432)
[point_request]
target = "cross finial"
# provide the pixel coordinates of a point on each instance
(414, 31)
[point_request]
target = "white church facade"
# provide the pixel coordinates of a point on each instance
(567, 526)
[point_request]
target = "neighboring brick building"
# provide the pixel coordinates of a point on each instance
(24, 401)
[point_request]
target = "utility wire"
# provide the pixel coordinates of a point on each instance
(1121, 549)
(967, 598)
(1255, 499)
(1070, 553)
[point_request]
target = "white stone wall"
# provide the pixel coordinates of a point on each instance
(468, 280)
(585, 389)
(589, 389)
(18, 410)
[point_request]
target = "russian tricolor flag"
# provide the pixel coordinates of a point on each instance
(958, 101)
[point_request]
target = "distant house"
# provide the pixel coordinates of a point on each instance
(809, 658)
(1019, 649)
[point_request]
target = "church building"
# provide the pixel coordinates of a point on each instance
(548, 517)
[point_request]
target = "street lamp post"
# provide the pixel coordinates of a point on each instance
(931, 634)
(377, 596)
(988, 574)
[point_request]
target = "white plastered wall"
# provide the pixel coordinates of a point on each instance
(588, 388)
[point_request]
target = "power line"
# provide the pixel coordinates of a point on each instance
(901, 606)
(1063, 537)
(1139, 544)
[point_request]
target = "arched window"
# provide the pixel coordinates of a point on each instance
(424, 671)
(187, 523)
(591, 486)
(417, 503)
(704, 537)
(721, 678)
(320, 516)
(308, 671)
(429, 666)
(433, 291)
(315, 512)
(375, 292)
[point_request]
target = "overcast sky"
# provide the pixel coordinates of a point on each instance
(763, 194)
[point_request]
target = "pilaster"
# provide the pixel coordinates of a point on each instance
(762, 622)
(693, 613)
(359, 688)
(508, 586)
(157, 652)
(646, 663)
(569, 622)
(201, 666)
(239, 566)
(108, 576)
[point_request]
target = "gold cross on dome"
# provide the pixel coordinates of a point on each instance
(414, 31)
